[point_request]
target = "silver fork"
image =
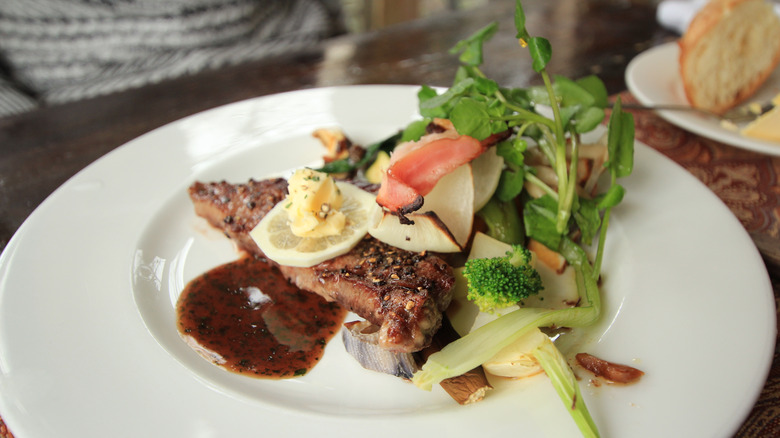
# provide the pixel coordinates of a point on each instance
(740, 114)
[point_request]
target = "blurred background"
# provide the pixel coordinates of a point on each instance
(363, 15)
(59, 51)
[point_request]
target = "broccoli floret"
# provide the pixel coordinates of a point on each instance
(498, 282)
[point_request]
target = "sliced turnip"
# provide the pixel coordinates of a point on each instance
(452, 199)
(427, 233)
(487, 171)
(444, 222)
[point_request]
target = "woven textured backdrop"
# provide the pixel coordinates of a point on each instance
(55, 51)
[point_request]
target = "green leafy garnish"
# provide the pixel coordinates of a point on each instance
(561, 215)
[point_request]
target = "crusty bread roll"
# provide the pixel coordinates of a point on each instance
(728, 51)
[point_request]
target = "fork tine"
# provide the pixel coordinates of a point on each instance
(741, 114)
(670, 107)
(748, 113)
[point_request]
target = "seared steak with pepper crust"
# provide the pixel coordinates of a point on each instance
(402, 292)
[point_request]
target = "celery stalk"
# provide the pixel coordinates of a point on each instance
(565, 384)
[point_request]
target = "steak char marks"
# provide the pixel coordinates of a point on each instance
(402, 292)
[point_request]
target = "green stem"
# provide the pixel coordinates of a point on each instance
(565, 383)
(555, 108)
(533, 179)
(560, 156)
(525, 114)
(522, 127)
(563, 180)
(567, 198)
(602, 237)
(547, 144)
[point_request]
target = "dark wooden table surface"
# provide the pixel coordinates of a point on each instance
(42, 149)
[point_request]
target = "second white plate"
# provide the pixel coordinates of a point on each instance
(653, 77)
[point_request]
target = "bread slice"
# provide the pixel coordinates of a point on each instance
(728, 51)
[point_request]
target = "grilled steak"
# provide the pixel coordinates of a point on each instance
(402, 292)
(237, 208)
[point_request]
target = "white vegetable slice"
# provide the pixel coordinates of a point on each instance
(444, 222)
(486, 169)
(278, 243)
(516, 360)
(452, 199)
(428, 233)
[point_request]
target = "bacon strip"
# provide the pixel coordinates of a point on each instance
(416, 167)
(414, 172)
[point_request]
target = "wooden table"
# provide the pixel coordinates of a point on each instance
(42, 149)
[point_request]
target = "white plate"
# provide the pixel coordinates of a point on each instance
(88, 345)
(653, 77)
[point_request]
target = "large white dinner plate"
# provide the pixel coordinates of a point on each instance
(653, 77)
(88, 344)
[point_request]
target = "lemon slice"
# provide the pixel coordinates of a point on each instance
(278, 243)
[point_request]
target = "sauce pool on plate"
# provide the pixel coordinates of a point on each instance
(245, 317)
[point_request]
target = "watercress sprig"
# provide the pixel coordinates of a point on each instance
(553, 116)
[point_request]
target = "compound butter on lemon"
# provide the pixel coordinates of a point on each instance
(320, 219)
(313, 204)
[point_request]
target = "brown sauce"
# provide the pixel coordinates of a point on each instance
(245, 317)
